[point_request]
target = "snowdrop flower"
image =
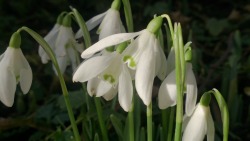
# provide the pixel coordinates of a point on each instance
(199, 124)
(50, 39)
(110, 22)
(168, 93)
(144, 55)
(14, 69)
(107, 74)
(66, 47)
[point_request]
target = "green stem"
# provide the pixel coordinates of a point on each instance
(171, 124)
(224, 112)
(83, 27)
(131, 125)
(128, 15)
(51, 54)
(149, 122)
(179, 86)
(164, 115)
(100, 119)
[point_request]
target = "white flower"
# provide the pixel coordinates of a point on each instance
(199, 125)
(168, 93)
(50, 39)
(110, 24)
(14, 68)
(105, 73)
(66, 48)
(144, 55)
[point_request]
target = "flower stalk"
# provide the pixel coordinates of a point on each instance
(51, 54)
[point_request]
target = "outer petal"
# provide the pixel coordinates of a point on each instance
(125, 87)
(112, 18)
(145, 74)
(109, 41)
(161, 62)
(91, 68)
(62, 63)
(167, 92)
(25, 80)
(210, 127)
(91, 24)
(197, 125)
(50, 39)
(64, 37)
(7, 86)
(191, 90)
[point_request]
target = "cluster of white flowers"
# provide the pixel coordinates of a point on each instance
(137, 56)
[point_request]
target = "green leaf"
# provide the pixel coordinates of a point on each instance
(117, 125)
(76, 99)
(215, 27)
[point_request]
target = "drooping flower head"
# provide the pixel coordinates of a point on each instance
(66, 47)
(110, 22)
(107, 74)
(168, 89)
(14, 69)
(144, 55)
(200, 123)
(50, 39)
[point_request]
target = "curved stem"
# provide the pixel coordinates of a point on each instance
(224, 112)
(128, 15)
(51, 54)
(83, 27)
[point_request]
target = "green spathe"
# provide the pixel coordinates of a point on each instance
(15, 40)
(155, 24)
(67, 21)
(59, 19)
(116, 4)
(205, 99)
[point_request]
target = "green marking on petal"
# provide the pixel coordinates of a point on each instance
(131, 61)
(109, 78)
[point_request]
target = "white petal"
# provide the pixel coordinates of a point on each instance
(186, 120)
(125, 88)
(167, 92)
(132, 54)
(1, 56)
(50, 39)
(91, 24)
(62, 63)
(98, 87)
(161, 62)
(111, 74)
(91, 68)
(112, 18)
(197, 125)
(191, 96)
(210, 127)
(25, 80)
(109, 41)
(7, 86)
(171, 61)
(145, 74)
(65, 36)
(110, 94)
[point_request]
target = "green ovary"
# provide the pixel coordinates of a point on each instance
(131, 61)
(109, 78)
